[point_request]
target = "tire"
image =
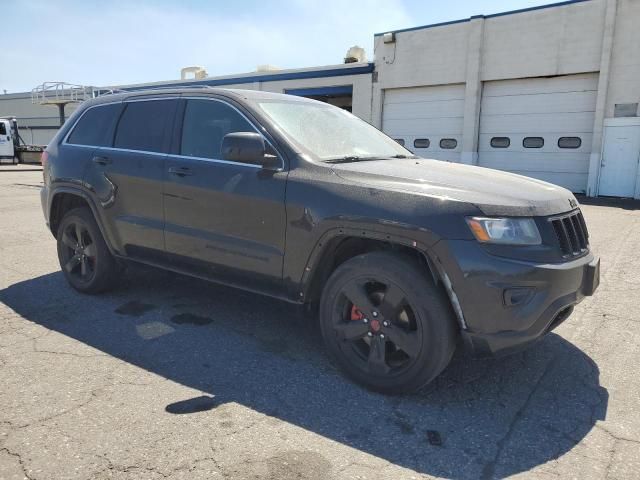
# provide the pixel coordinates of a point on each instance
(84, 257)
(386, 324)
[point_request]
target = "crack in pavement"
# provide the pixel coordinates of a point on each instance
(488, 470)
(42, 421)
(20, 462)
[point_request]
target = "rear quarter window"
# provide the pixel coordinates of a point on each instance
(96, 125)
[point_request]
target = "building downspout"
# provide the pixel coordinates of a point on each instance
(601, 100)
(472, 92)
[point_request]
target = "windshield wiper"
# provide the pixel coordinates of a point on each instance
(349, 159)
(356, 158)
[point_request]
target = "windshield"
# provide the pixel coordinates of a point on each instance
(330, 133)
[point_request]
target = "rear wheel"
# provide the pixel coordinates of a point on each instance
(84, 257)
(385, 324)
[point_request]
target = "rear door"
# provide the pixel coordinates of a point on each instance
(127, 177)
(224, 220)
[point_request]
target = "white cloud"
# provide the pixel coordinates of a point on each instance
(127, 42)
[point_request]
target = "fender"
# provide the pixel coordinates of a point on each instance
(85, 195)
(324, 242)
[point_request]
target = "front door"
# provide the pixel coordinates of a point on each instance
(6, 143)
(620, 157)
(223, 220)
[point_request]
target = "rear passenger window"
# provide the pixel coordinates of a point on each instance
(400, 141)
(206, 122)
(421, 143)
(500, 142)
(448, 143)
(533, 142)
(569, 142)
(143, 124)
(3, 129)
(96, 126)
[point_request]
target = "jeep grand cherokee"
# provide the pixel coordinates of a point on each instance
(303, 201)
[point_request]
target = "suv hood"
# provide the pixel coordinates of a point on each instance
(492, 191)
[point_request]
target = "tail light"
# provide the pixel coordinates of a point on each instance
(43, 161)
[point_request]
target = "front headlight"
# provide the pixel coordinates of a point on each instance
(505, 231)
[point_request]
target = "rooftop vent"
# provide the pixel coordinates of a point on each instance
(266, 68)
(355, 54)
(197, 72)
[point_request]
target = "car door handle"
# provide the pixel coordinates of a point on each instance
(101, 160)
(180, 171)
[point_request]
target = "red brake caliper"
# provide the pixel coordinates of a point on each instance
(356, 314)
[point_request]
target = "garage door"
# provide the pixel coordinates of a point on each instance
(539, 127)
(427, 120)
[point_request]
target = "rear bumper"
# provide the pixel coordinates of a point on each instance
(509, 304)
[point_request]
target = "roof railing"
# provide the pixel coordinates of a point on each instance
(60, 93)
(99, 92)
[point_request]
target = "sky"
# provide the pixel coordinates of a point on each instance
(116, 42)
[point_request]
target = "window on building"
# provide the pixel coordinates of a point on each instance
(400, 141)
(569, 142)
(206, 122)
(421, 143)
(448, 143)
(142, 126)
(533, 142)
(96, 126)
(500, 142)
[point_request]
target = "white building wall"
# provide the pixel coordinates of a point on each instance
(561, 40)
(551, 41)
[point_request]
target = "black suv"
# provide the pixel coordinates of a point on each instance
(303, 201)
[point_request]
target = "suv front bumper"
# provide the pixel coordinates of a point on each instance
(508, 304)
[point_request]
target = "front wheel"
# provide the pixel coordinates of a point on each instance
(385, 323)
(84, 257)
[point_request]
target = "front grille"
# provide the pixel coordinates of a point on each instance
(572, 233)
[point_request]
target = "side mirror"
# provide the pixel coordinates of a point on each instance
(248, 147)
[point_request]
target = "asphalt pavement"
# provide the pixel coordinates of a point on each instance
(175, 378)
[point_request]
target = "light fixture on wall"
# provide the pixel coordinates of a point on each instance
(389, 37)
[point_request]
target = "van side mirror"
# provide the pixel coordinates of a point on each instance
(248, 147)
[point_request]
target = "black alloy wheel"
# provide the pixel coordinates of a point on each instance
(386, 323)
(84, 256)
(378, 326)
(79, 256)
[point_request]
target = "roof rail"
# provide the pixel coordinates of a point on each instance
(99, 92)
(163, 87)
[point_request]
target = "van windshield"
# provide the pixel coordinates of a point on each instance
(329, 133)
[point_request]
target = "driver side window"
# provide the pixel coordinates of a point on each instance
(205, 124)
